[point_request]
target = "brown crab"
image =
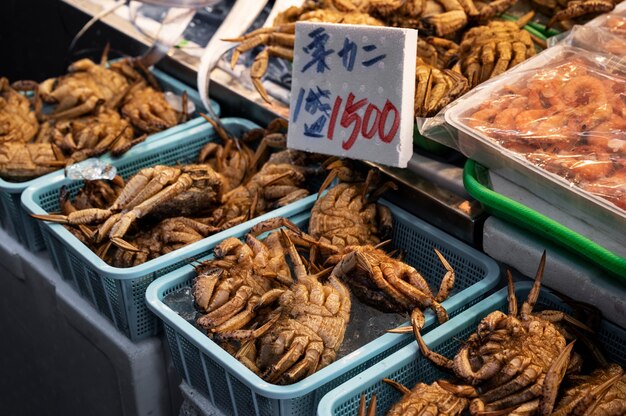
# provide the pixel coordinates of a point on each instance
(158, 191)
(516, 363)
(232, 158)
(279, 39)
(24, 161)
(275, 185)
(487, 51)
(389, 284)
(435, 88)
(243, 276)
(18, 122)
(439, 398)
(87, 86)
(562, 11)
(603, 392)
(309, 331)
(345, 215)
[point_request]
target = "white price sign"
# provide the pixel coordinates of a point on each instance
(352, 92)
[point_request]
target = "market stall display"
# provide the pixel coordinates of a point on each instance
(232, 387)
(118, 292)
(55, 142)
(163, 208)
(280, 294)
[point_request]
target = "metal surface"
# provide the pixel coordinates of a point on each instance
(181, 3)
(433, 194)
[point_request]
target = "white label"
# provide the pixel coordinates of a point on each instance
(352, 92)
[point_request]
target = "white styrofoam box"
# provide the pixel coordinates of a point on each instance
(352, 91)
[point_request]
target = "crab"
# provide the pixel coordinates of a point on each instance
(389, 284)
(566, 10)
(439, 398)
(21, 162)
(102, 131)
(158, 192)
(149, 112)
(602, 392)
(241, 278)
(87, 86)
(275, 185)
(487, 51)
(515, 363)
(313, 317)
(435, 88)
(345, 215)
(279, 39)
(18, 123)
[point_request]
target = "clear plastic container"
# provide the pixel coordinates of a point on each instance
(555, 126)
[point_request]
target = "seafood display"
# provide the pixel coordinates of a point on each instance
(283, 325)
(93, 109)
(442, 64)
(520, 363)
(461, 43)
(284, 316)
(163, 208)
(568, 119)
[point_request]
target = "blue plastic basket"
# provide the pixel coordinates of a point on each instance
(234, 389)
(118, 293)
(409, 367)
(20, 225)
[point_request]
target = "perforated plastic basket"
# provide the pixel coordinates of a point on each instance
(234, 389)
(409, 367)
(24, 228)
(118, 293)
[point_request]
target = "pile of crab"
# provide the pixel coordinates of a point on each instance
(520, 363)
(464, 44)
(92, 109)
(163, 208)
(280, 300)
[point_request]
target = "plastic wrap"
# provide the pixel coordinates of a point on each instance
(598, 39)
(569, 119)
(555, 125)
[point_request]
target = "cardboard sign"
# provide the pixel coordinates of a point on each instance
(352, 92)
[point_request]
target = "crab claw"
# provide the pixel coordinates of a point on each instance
(124, 245)
(61, 219)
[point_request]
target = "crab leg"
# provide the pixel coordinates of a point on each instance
(528, 305)
(553, 379)
(260, 65)
(118, 231)
(371, 409)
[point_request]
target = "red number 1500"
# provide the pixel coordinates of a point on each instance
(364, 125)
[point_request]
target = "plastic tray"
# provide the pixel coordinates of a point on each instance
(475, 179)
(409, 367)
(118, 293)
(24, 228)
(234, 389)
(558, 191)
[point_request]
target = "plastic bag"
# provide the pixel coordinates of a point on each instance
(567, 117)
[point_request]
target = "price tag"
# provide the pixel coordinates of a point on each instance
(352, 92)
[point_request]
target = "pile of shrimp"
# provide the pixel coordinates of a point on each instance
(569, 119)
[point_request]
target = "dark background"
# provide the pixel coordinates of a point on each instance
(35, 36)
